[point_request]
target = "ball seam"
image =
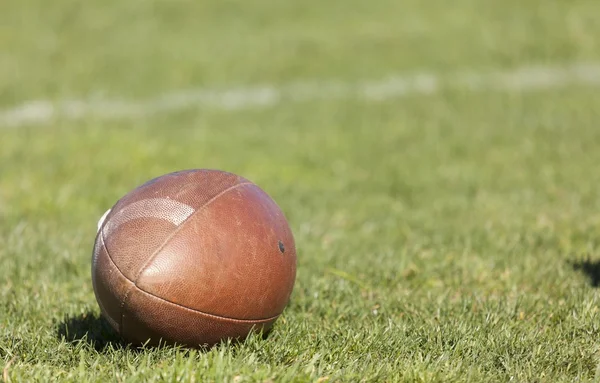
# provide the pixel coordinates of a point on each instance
(184, 307)
(180, 227)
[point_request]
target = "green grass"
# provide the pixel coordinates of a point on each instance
(444, 237)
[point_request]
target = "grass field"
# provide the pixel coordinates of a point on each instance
(449, 235)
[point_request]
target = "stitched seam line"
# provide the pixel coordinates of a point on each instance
(120, 323)
(107, 253)
(180, 227)
(102, 308)
(187, 308)
(207, 314)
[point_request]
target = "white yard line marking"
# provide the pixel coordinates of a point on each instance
(520, 79)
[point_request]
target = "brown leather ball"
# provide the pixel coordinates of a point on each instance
(193, 258)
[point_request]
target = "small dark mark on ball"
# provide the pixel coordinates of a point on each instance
(281, 247)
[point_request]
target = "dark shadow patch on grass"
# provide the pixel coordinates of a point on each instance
(92, 329)
(589, 267)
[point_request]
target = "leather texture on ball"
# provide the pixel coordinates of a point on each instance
(192, 258)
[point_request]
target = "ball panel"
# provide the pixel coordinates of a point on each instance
(146, 317)
(110, 286)
(134, 243)
(227, 259)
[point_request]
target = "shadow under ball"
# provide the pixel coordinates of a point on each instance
(193, 258)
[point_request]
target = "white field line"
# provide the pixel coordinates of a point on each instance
(520, 79)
